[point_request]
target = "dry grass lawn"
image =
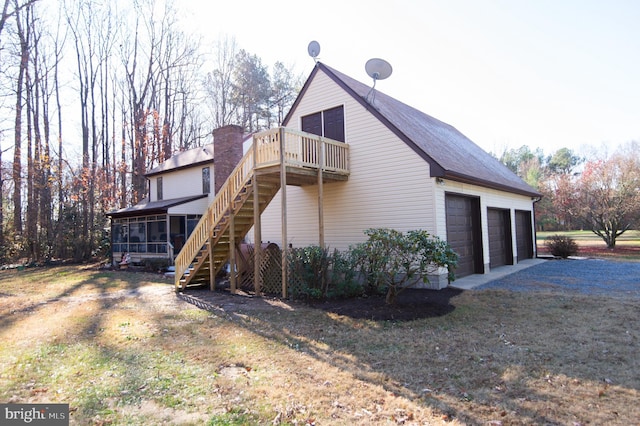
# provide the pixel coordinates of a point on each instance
(122, 348)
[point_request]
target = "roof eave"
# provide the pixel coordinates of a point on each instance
(119, 215)
(153, 210)
(434, 166)
(186, 166)
(462, 178)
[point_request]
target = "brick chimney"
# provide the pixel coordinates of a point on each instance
(227, 152)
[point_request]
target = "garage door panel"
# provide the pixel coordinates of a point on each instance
(462, 232)
(524, 235)
(499, 237)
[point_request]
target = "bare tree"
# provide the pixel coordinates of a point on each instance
(34, 136)
(160, 62)
(3, 19)
(219, 83)
(153, 100)
(284, 89)
(24, 41)
(190, 129)
(58, 45)
(17, 12)
(90, 24)
(80, 22)
(140, 70)
(5, 15)
(46, 58)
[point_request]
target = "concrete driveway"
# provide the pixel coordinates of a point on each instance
(476, 280)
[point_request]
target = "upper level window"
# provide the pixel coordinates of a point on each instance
(159, 188)
(328, 123)
(206, 180)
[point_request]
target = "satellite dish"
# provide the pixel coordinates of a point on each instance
(313, 49)
(378, 69)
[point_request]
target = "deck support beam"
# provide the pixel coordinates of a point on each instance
(320, 194)
(212, 274)
(257, 227)
(283, 190)
(233, 270)
(323, 283)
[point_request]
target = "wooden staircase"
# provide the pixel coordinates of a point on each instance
(241, 212)
(302, 158)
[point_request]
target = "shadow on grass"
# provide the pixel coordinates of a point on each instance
(489, 355)
(116, 372)
(96, 280)
(483, 355)
(338, 323)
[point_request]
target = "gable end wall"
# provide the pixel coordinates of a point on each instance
(389, 184)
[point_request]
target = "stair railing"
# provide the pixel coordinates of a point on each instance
(215, 212)
(301, 149)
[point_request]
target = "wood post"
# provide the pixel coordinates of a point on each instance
(320, 194)
(212, 275)
(321, 204)
(233, 270)
(257, 226)
(283, 189)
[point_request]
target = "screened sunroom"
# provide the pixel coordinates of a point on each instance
(159, 234)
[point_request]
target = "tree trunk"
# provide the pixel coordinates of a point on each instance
(59, 242)
(1, 203)
(17, 150)
(392, 295)
(31, 193)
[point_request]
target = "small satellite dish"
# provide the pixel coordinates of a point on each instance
(378, 69)
(314, 49)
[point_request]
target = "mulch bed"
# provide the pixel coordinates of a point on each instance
(411, 304)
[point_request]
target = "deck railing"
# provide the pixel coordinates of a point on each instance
(300, 150)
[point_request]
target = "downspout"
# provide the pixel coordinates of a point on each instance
(535, 225)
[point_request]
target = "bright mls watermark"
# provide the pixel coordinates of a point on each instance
(34, 414)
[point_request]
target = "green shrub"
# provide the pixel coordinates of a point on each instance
(315, 274)
(393, 261)
(343, 278)
(309, 266)
(369, 261)
(388, 262)
(561, 245)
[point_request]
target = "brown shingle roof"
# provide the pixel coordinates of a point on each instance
(450, 154)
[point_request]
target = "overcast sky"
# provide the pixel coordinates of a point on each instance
(506, 73)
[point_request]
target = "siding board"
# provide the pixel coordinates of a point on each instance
(390, 185)
(375, 195)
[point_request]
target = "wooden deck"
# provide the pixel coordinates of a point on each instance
(277, 158)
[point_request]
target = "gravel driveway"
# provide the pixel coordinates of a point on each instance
(590, 276)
